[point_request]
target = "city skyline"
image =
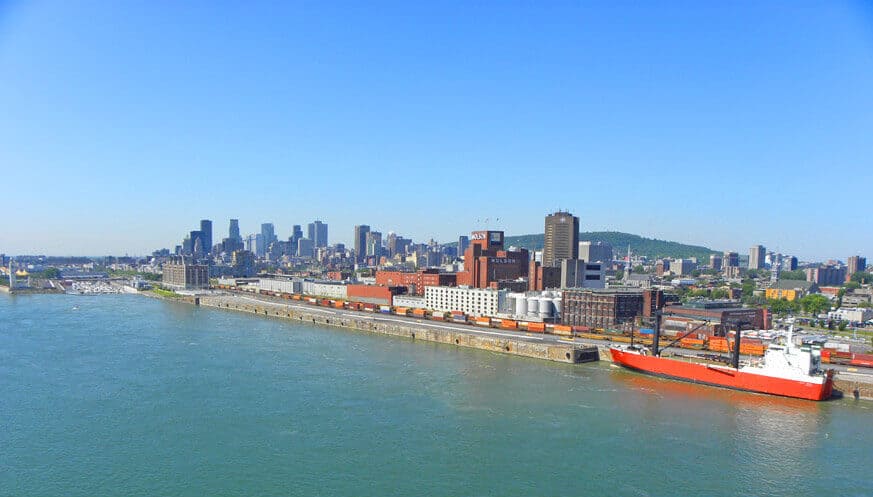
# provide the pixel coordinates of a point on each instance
(711, 125)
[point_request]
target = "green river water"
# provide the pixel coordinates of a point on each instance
(124, 395)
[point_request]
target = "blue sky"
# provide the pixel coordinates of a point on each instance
(122, 124)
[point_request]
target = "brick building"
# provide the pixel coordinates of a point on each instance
(374, 294)
(608, 308)
(541, 278)
(486, 261)
(417, 281)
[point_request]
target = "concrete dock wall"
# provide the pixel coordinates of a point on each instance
(569, 353)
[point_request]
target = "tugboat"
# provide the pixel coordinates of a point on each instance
(785, 369)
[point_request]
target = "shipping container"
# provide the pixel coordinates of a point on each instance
(419, 313)
(459, 318)
(483, 322)
(536, 327)
(508, 324)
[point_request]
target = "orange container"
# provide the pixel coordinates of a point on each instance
(536, 327)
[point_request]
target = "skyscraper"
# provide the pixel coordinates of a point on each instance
(756, 257)
(233, 233)
(561, 238)
(296, 235)
(318, 234)
(206, 235)
(268, 233)
(360, 242)
(463, 243)
(374, 244)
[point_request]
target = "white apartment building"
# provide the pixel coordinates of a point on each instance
(472, 301)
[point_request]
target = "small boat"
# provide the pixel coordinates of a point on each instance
(786, 370)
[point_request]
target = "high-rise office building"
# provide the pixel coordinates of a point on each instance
(561, 238)
(374, 244)
(233, 232)
(206, 234)
(731, 259)
(195, 239)
(268, 233)
(595, 252)
(318, 233)
(305, 247)
(463, 243)
(756, 257)
(360, 242)
(715, 261)
(255, 244)
(296, 235)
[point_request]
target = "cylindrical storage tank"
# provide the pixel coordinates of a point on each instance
(520, 305)
(558, 305)
(545, 308)
(533, 306)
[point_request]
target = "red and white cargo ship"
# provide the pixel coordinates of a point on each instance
(785, 370)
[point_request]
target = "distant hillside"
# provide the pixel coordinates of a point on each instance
(648, 247)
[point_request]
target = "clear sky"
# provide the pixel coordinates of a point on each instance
(726, 124)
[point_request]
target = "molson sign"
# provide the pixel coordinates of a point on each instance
(491, 236)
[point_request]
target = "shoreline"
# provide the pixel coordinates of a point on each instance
(848, 385)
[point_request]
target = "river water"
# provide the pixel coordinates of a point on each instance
(125, 395)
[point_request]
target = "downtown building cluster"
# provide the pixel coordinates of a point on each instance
(581, 283)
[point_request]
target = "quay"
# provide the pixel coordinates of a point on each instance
(848, 383)
(546, 347)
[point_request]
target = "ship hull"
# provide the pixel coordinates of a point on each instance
(819, 388)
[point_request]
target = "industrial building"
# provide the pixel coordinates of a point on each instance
(471, 301)
(608, 308)
(534, 306)
(486, 261)
(713, 317)
(416, 282)
(373, 294)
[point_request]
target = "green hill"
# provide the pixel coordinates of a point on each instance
(649, 247)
